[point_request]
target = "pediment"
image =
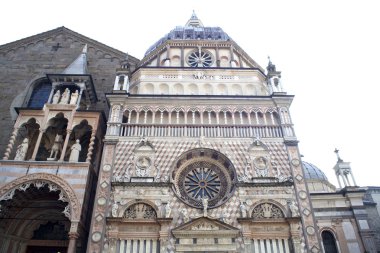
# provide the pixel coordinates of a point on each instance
(203, 226)
(66, 33)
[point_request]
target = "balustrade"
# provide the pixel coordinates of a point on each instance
(185, 130)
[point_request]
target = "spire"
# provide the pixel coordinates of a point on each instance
(79, 65)
(194, 21)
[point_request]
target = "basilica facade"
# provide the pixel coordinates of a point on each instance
(191, 149)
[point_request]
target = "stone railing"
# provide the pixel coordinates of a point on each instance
(180, 130)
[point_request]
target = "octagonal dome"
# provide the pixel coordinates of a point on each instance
(316, 179)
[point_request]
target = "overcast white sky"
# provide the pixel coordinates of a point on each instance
(328, 52)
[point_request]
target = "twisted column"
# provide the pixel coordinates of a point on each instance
(10, 144)
(91, 146)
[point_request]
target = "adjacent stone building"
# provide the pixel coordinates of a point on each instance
(191, 149)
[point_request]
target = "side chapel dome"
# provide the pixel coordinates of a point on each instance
(316, 179)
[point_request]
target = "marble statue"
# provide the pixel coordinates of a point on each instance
(74, 98)
(185, 215)
(21, 150)
(75, 150)
(65, 97)
(56, 148)
(115, 208)
(293, 209)
(205, 205)
(56, 97)
(168, 210)
(243, 210)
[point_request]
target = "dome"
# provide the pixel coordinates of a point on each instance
(313, 172)
(193, 30)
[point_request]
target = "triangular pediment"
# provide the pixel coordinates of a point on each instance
(67, 33)
(204, 225)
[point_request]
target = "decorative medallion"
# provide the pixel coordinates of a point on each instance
(200, 58)
(96, 236)
(306, 212)
(299, 177)
(143, 166)
(106, 167)
(204, 173)
(102, 201)
(310, 230)
(302, 195)
(295, 162)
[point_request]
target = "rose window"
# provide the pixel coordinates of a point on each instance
(202, 182)
(203, 173)
(200, 59)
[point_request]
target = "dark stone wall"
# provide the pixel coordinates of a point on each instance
(22, 62)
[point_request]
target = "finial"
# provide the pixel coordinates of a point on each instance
(194, 21)
(271, 67)
(337, 154)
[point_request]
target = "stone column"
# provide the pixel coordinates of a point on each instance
(91, 146)
(42, 131)
(73, 236)
(63, 152)
(10, 144)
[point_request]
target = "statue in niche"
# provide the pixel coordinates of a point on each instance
(74, 98)
(21, 150)
(56, 148)
(205, 205)
(56, 97)
(293, 208)
(168, 210)
(75, 150)
(65, 97)
(185, 215)
(115, 208)
(243, 210)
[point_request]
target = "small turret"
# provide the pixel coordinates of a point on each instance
(122, 80)
(343, 172)
(274, 79)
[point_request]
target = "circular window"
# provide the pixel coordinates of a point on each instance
(199, 59)
(204, 173)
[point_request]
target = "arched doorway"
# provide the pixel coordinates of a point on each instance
(39, 212)
(33, 220)
(329, 242)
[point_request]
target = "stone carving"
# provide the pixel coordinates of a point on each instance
(261, 165)
(56, 97)
(205, 205)
(293, 208)
(65, 97)
(56, 148)
(140, 211)
(204, 226)
(243, 210)
(115, 208)
(75, 150)
(267, 211)
(168, 210)
(74, 98)
(143, 166)
(57, 183)
(21, 150)
(143, 140)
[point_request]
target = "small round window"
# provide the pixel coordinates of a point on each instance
(200, 59)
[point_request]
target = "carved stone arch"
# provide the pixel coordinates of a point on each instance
(275, 204)
(162, 109)
(178, 109)
(26, 119)
(55, 183)
(194, 109)
(149, 204)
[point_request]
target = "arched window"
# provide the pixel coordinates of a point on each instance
(40, 94)
(329, 243)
